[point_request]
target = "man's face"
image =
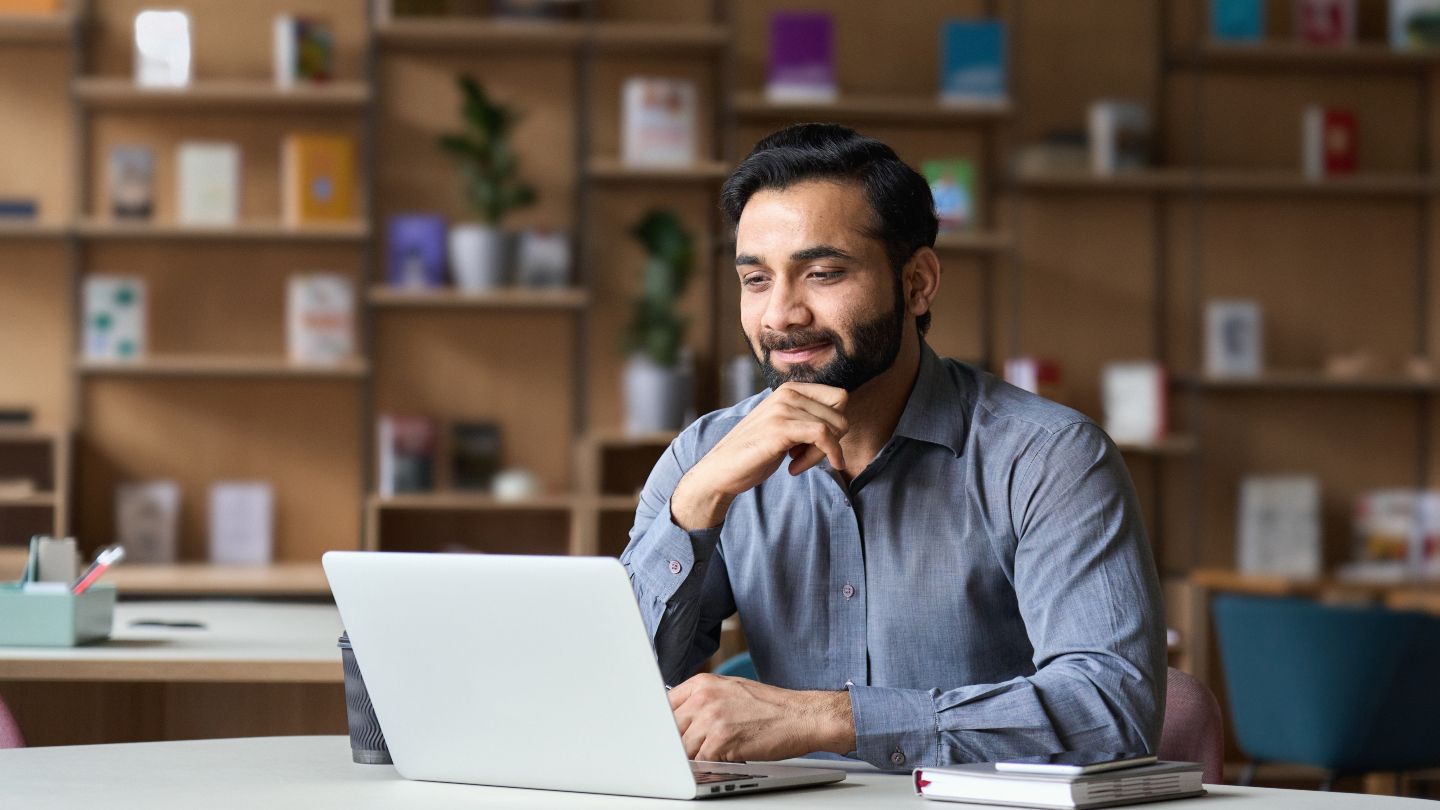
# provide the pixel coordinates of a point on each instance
(818, 300)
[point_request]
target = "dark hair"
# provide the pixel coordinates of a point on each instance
(899, 196)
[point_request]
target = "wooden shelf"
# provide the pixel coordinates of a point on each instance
(509, 298)
(39, 499)
(1140, 180)
(620, 439)
(617, 503)
(974, 242)
(1258, 182)
(183, 365)
(874, 109)
(479, 35)
(27, 435)
(1170, 446)
(36, 29)
(1311, 382)
(123, 93)
(258, 231)
(471, 502)
(204, 579)
(612, 170)
(31, 229)
(1280, 55)
(659, 38)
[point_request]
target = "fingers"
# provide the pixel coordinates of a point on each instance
(800, 404)
(816, 442)
(827, 395)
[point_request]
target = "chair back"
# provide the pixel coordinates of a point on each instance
(1347, 689)
(1193, 730)
(738, 666)
(10, 736)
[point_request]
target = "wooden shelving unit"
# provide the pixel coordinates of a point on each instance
(659, 39)
(1283, 56)
(983, 242)
(1313, 383)
(1176, 446)
(607, 170)
(874, 109)
(220, 366)
(38, 29)
(43, 458)
(510, 298)
(481, 34)
(123, 94)
(274, 231)
(27, 230)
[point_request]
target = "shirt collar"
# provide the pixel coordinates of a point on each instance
(936, 410)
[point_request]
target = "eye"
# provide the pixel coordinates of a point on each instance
(754, 280)
(825, 275)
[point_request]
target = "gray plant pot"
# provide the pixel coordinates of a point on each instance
(479, 256)
(656, 396)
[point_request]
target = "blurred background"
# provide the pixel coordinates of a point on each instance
(284, 276)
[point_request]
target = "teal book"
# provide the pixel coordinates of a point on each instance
(1237, 20)
(972, 61)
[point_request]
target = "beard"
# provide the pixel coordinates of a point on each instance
(868, 351)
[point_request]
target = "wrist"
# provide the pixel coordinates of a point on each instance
(834, 722)
(694, 505)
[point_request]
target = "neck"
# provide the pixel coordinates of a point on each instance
(874, 408)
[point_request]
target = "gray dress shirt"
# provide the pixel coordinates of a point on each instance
(984, 588)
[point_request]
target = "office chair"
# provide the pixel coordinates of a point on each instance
(1193, 730)
(1350, 690)
(10, 736)
(738, 666)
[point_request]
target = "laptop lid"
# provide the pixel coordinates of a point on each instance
(516, 671)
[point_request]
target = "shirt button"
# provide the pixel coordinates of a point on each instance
(848, 590)
(676, 567)
(897, 759)
(849, 684)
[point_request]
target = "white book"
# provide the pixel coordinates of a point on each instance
(115, 315)
(285, 51)
(162, 48)
(320, 318)
(1407, 18)
(147, 521)
(658, 121)
(1135, 400)
(242, 520)
(1234, 339)
(981, 783)
(1280, 525)
(208, 173)
(1119, 136)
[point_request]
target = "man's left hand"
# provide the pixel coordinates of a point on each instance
(735, 719)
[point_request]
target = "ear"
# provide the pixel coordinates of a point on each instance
(922, 281)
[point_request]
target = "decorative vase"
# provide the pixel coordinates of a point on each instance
(656, 396)
(478, 257)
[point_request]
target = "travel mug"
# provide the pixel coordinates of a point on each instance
(367, 741)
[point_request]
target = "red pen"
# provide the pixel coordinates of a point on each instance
(107, 557)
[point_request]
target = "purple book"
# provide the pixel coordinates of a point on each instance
(802, 57)
(417, 251)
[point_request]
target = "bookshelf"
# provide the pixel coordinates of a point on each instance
(562, 300)
(99, 229)
(883, 109)
(121, 93)
(38, 29)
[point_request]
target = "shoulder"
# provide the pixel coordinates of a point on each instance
(1027, 424)
(704, 433)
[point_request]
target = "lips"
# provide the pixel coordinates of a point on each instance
(802, 354)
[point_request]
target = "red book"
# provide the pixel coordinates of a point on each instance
(1332, 142)
(1325, 22)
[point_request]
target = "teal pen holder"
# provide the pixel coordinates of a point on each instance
(54, 618)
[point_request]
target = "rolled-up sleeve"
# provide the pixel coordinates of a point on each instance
(1086, 586)
(679, 577)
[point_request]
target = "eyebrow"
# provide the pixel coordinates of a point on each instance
(804, 255)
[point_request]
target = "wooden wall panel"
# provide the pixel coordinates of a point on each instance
(36, 330)
(301, 435)
(492, 532)
(36, 131)
(696, 11)
(513, 368)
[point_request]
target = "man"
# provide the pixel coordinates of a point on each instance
(948, 569)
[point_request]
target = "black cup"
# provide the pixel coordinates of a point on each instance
(367, 741)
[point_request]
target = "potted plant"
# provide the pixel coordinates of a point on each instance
(488, 169)
(656, 380)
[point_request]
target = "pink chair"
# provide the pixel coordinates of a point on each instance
(10, 736)
(1193, 730)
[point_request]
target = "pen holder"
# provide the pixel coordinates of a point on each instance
(54, 617)
(367, 741)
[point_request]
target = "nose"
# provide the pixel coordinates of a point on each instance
(786, 307)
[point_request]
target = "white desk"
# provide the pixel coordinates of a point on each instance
(254, 669)
(316, 773)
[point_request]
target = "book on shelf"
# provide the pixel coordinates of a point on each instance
(1279, 525)
(1234, 338)
(147, 520)
(982, 783)
(242, 522)
(320, 318)
(972, 61)
(317, 178)
(474, 455)
(1038, 375)
(416, 251)
(1325, 22)
(1135, 397)
(1398, 529)
(162, 48)
(802, 57)
(131, 177)
(658, 121)
(115, 317)
(1330, 142)
(1120, 133)
(29, 7)
(1414, 24)
(18, 208)
(542, 259)
(952, 184)
(208, 177)
(304, 51)
(1237, 20)
(406, 448)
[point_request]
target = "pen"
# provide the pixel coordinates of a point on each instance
(107, 557)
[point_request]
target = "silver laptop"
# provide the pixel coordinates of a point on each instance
(530, 672)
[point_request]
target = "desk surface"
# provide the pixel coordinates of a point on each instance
(316, 773)
(241, 642)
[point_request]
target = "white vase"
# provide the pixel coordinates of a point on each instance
(656, 396)
(478, 257)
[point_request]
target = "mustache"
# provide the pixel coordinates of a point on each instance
(785, 341)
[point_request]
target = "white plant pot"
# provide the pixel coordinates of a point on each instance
(478, 257)
(656, 396)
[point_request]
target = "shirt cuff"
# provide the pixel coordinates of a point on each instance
(895, 729)
(672, 555)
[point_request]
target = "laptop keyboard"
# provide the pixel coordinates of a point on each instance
(710, 777)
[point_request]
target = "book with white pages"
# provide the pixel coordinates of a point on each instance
(981, 783)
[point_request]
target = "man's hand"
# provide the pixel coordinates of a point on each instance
(734, 719)
(802, 420)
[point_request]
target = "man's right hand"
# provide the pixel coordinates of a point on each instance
(804, 421)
